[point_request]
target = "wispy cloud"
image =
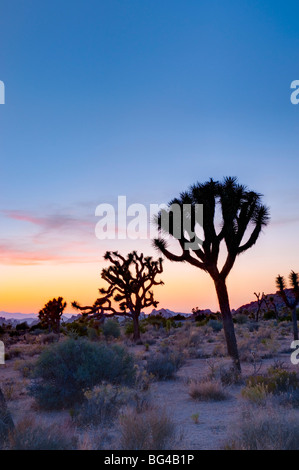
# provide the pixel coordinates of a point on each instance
(11, 254)
(285, 220)
(60, 238)
(49, 222)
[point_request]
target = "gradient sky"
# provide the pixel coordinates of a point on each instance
(141, 98)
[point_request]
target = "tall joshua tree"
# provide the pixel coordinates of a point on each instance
(240, 210)
(130, 282)
(51, 314)
(293, 302)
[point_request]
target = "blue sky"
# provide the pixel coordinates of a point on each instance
(142, 98)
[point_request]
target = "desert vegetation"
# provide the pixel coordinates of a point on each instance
(175, 388)
(115, 378)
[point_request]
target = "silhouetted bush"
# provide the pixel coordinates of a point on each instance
(111, 329)
(22, 326)
(66, 370)
(77, 328)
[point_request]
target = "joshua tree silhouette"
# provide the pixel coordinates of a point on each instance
(51, 314)
(290, 303)
(130, 282)
(261, 299)
(240, 209)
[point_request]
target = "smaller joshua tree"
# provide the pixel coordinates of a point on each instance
(51, 314)
(130, 282)
(293, 302)
(260, 300)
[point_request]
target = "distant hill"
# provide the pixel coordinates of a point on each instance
(164, 312)
(252, 306)
(29, 318)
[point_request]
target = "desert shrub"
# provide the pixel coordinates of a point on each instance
(31, 436)
(256, 394)
(208, 390)
(266, 332)
(48, 338)
(129, 328)
(265, 429)
(77, 329)
(5, 427)
(37, 328)
(269, 315)
(155, 320)
(37, 332)
(189, 339)
(164, 365)
(93, 334)
(22, 326)
(111, 329)
(253, 326)
(220, 350)
(200, 323)
(276, 381)
(25, 367)
(102, 405)
(66, 370)
(240, 318)
(289, 399)
(216, 325)
(12, 352)
(229, 375)
(150, 430)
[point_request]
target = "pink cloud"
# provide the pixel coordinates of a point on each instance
(11, 255)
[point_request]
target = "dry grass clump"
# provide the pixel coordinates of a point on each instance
(265, 428)
(209, 390)
(278, 385)
(257, 394)
(164, 364)
(30, 435)
(152, 429)
(102, 405)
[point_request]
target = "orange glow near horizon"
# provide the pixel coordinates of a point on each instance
(26, 288)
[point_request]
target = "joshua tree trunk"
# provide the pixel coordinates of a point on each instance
(5, 417)
(228, 324)
(295, 325)
(136, 335)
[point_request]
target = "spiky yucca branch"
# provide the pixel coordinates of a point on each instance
(240, 209)
(98, 309)
(281, 285)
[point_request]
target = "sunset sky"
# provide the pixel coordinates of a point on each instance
(142, 99)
